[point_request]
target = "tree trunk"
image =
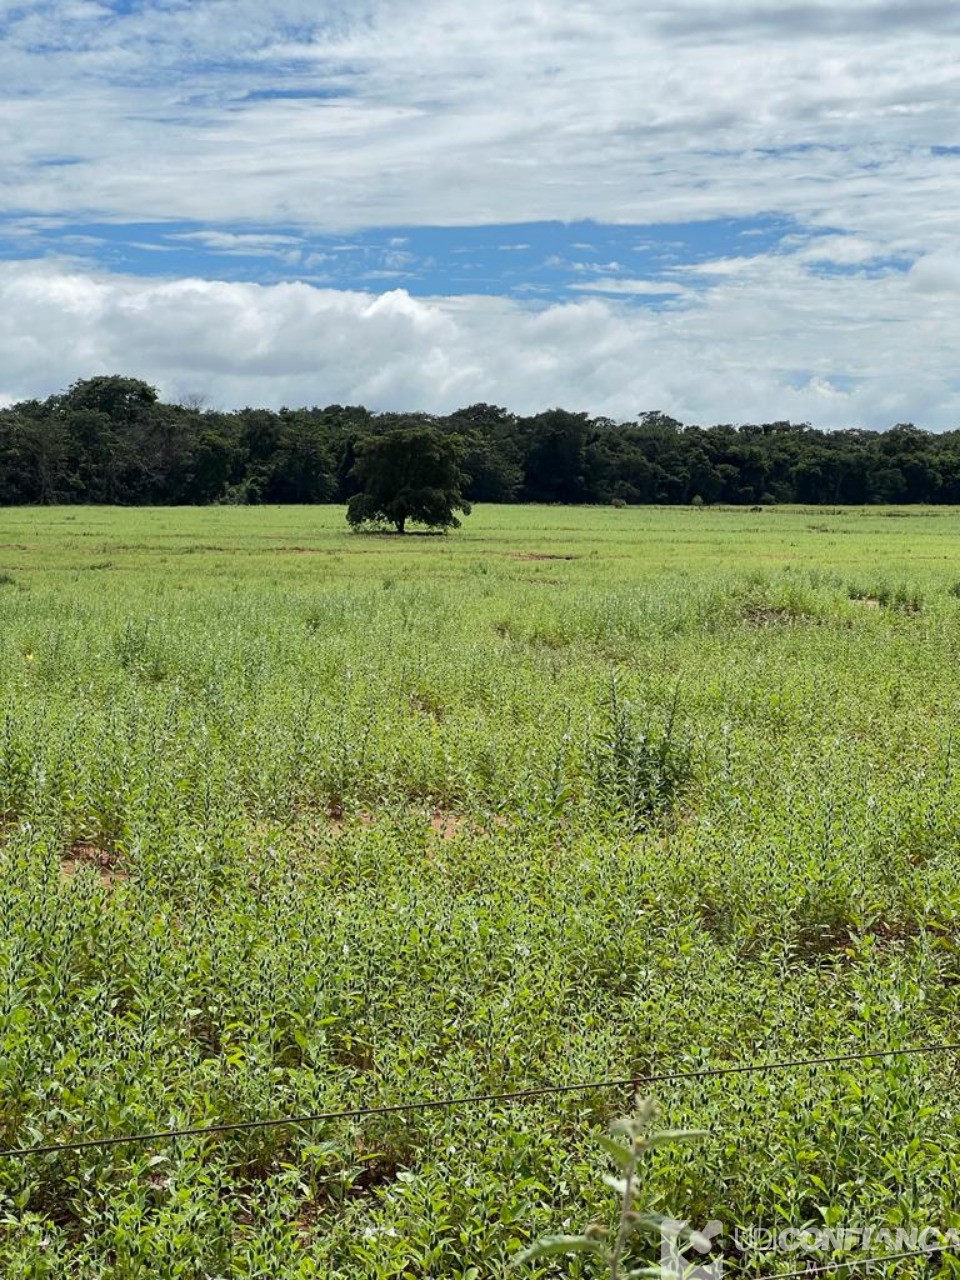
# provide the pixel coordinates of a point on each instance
(401, 524)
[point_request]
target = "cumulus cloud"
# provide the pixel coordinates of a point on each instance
(767, 340)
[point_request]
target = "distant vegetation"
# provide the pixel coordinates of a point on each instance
(111, 440)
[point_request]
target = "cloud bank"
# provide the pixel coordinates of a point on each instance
(767, 334)
(424, 111)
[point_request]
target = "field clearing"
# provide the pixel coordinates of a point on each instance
(294, 819)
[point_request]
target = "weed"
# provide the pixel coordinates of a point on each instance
(639, 769)
(630, 1141)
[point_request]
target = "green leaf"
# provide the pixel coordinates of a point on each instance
(652, 1222)
(615, 1150)
(550, 1246)
(666, 1136)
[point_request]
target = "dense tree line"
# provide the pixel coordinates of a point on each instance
(111, 440)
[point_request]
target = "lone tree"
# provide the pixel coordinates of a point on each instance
(411, 473)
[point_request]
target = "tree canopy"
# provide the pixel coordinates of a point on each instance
(409, 474)
(111, 439)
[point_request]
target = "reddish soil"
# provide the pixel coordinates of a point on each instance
(82, 853)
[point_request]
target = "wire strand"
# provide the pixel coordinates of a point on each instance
(466, 1100)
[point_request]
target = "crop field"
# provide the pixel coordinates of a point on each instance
(298, 820)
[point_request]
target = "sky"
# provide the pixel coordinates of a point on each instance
(727, 210)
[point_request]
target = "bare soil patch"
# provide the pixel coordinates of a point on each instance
(83, 853)
(540, 555)
(448, 825)
(338, 820)
(427, 704)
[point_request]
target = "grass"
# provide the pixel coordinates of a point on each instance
(295, 819)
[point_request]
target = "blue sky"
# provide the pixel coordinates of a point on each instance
(538, 261)
(731, 211)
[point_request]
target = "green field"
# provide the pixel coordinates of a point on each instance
(294, 820)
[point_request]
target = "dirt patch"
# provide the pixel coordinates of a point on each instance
(338, 820)
(539, 555)
(308, 1221)
(106, 862)
(839, 938)
(427, 704)
(448, 825)
(901, 600)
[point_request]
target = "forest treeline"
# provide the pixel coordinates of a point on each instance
(112, 440)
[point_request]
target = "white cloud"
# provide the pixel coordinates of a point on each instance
(847, 251)
(493, 113)
(244, 244)
(648, 287)
(772, 341)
